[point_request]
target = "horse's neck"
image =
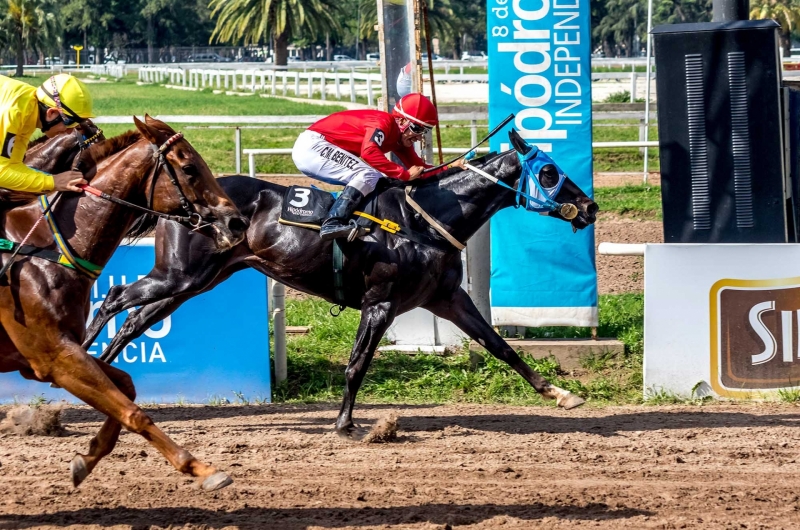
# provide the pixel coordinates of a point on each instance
(465, 201)
(94, 227)
(54, 157)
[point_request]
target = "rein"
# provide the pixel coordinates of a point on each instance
(193, 218)
(566, 210)
(66, 256)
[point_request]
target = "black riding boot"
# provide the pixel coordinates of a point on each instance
(336, 224)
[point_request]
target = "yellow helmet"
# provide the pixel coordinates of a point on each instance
(69, 95)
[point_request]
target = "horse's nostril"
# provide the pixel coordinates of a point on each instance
(238, 224)
(593, 209)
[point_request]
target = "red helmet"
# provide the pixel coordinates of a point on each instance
(417, 108)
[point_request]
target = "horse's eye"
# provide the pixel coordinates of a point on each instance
(190, 170)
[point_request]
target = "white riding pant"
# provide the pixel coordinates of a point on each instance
(319, 159)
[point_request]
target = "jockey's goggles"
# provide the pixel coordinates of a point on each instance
(416, 128)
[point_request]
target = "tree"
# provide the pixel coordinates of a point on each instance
(623, 22)
(31, 24)
(784, 12)
(682, 11)
(283, 20)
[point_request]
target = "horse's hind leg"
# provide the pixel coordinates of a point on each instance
(375, 320)
(461, 311)
(78, 373)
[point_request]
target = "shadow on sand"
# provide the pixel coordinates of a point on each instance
(301, 518)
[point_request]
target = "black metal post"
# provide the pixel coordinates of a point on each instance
(730, 10)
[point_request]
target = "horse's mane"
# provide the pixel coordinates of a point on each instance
(143, 226)
(102, 150)
(394, 183)
(145, 223)
(42, 139)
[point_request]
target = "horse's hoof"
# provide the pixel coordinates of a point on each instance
(351, 434)
(78, 470)
(217, 481)
(570, 401)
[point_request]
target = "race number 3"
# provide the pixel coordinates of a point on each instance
(301, 196)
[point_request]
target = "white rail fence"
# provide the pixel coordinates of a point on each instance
(334, 83)
(114, 70)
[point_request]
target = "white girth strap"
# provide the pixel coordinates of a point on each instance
(436, 226)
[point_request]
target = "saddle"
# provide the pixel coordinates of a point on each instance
(308, 208)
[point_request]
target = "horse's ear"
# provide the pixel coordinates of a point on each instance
(147, 119)
(520, 145)
(148, 131)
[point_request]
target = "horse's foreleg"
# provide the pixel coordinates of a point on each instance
(461, 311)
(106, 438)
(156, 286)
(375, 320)
(140, 320)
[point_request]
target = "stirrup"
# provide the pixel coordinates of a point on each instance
(351, 231)
(356, 232)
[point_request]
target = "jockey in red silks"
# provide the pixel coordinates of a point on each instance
(350, 147)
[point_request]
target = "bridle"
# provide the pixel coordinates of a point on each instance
(192, 218)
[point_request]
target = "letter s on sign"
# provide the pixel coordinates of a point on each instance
(763, 332)
(301, 196)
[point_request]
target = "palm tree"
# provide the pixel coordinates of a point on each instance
(283, 20)
(624, 20)
(31, 24)
(784, 12)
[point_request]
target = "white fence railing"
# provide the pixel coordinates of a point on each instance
(114, 70)
(309, 82)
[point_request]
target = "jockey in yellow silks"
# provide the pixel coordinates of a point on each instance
(60, 103)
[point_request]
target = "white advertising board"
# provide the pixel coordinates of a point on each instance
(722, 319)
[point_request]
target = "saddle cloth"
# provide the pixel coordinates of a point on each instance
(306, 207)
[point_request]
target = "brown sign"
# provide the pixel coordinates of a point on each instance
(755, 343)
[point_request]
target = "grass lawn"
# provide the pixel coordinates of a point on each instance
(316, 364)
(640, 202)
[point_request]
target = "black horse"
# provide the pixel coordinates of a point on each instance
(385, 275)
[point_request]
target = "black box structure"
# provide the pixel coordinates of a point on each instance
(720, 132)
(791, 102)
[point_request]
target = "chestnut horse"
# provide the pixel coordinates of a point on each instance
(44, 305)
(385, 274)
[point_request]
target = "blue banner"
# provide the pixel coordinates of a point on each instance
(214, 347)
(540, 70)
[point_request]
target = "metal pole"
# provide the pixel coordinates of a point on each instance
(279, 330)
(473, 132)
(730, 10)
(238, 141)
(251, 165)
(430, 72)
(647, 91)
(479, 264)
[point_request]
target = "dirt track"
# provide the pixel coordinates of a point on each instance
(466, 466)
